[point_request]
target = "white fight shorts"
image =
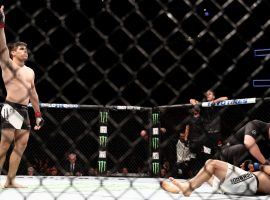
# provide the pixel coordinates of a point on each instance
(237, 182)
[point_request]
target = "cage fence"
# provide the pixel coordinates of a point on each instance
(134, 52)
(136, 40)
(109, 139)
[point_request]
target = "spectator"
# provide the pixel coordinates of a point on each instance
(72, 166)
(53, 171)
(166, 165)
(163, 173)
(124, 171)
(92, 171)
(43, 167)
(142, 169)
(31, 171)
(144, 134)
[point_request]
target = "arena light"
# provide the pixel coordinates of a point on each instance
(261, 83)
(261, 52)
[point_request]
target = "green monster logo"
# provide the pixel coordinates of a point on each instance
(155, 142)
(155, 118)
(103, 140)
(102, 166)
(155, 168)
(103, 117)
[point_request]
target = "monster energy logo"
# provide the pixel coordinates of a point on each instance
(155, 142)
(155, 168)
(102, 166)
(103, 117)
(103, 140)
(155, 119)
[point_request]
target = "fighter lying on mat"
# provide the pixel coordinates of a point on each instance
(225, 178)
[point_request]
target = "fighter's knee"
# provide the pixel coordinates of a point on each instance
(209, 162)
(4, 146)
(212, 162)
(20, 147)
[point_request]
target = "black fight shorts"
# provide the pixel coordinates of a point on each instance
(15, 116)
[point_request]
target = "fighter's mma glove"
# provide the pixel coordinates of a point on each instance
(256, 166)
(247, 165)
(39, 120)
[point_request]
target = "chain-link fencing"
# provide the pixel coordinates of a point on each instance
(135, 52)
(113, 47)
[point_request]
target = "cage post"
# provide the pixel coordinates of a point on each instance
(155, 142)
(103, 139)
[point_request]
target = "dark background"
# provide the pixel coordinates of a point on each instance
(130, 52)
(137, 52)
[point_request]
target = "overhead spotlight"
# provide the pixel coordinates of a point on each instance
(169, 15)
(189, 39)
(261, 83)
(262, 52)
(206, 13)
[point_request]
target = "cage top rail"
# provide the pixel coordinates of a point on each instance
(77, 106)
(123, 107)
(229, 102)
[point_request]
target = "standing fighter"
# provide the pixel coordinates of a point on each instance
(20, 87)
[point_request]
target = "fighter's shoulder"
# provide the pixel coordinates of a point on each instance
(28, 69)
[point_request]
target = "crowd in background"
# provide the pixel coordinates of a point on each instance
(199, 138)
(72, 166)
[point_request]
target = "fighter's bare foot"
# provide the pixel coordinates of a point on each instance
(169, 187)
(184, 187)
(14, 185)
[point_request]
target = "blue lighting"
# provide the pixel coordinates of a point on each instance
(261, 52)
(261, 83)
(206, 13)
